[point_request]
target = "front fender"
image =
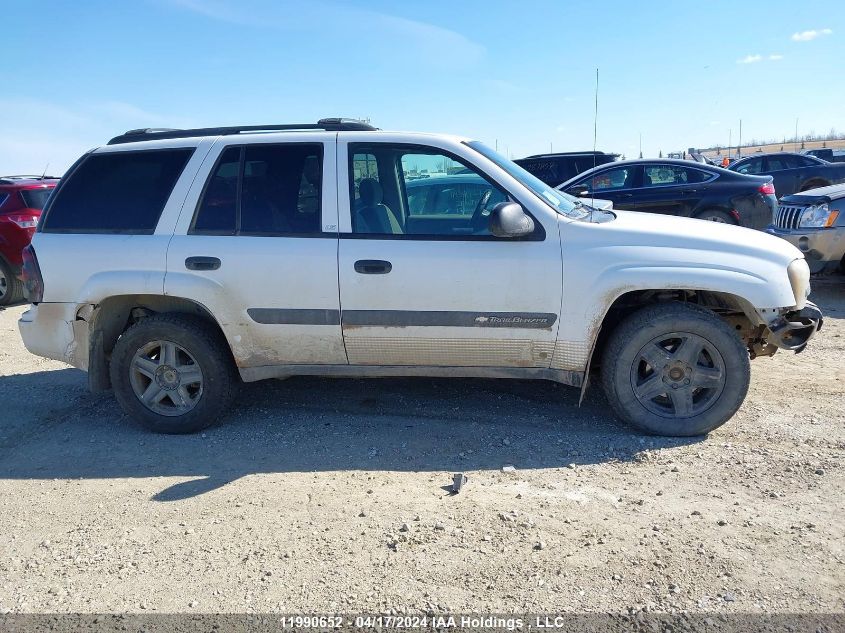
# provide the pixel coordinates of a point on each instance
(587, 300)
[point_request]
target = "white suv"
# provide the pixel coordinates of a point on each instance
(172, 264)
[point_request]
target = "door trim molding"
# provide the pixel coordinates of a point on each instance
(404, 318)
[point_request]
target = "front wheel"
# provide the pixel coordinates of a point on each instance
(675, 369)
(172, 373)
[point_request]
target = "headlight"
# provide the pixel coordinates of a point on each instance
(818, 216)
(799, 278)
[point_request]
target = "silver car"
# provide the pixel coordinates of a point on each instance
(814, 221)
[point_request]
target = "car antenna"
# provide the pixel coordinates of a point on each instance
(44, 174)
(595, 132)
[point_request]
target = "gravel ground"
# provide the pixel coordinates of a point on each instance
(326, 495)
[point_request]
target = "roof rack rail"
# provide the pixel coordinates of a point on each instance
(153, 134)
(10, 180)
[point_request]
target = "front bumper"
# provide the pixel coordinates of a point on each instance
(793, 330)
(823, 248)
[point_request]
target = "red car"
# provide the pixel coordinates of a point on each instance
(21, 201)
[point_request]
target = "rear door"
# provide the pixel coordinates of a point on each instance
(257, 245)
(785, 171)
(670, 189)
(439, 293)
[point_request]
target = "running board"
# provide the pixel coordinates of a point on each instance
(571, 378)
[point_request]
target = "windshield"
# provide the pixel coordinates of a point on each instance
(35, 198)
(557, 200)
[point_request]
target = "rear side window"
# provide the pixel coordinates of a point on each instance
(117, 192)
(35, 198)
(263, 190)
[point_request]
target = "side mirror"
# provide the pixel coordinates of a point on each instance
(508, 219)
(579, 191)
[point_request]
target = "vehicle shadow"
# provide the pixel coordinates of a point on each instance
(309, 424)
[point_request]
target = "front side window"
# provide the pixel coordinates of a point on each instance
(753, 166)
(402, 190)
(116, 192)
(612, 179)
(263, 189)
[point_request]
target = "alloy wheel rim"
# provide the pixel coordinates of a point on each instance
(678, 375)
(166, 378)
(4, 284)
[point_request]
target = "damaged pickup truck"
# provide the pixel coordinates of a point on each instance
(173, 264)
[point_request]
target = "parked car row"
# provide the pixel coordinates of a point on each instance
(21, 200)
(682, 188)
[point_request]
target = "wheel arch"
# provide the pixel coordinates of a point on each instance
(109, 318)
(813, 183)
(730, 307)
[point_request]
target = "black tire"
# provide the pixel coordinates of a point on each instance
(11, 288)
(813, 184)
(199, 348)
(715, 215)
(682, 409)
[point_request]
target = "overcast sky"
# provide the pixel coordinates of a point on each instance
(521, 74)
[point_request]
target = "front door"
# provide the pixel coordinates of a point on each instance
(422, 280)
(614, 183)
(257, 245)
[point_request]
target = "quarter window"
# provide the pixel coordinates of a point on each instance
(263, 190)
(116, 192)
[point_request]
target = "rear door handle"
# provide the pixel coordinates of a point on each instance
(373, 267)
(688, 190)
(202, 263)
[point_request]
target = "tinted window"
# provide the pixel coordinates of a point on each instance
(117, 192)
(804, 161)
(753, 166)
(35, 198)
(619, 178)
(779, 163)
(663, 175)
(263, 190)
(430, 193)
(218, 209)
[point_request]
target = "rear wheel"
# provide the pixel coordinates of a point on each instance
(173, 374)
(11, 289)
(715, 215)
(813, 184)
(675, 369)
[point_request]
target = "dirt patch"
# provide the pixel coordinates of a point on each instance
(321, 495)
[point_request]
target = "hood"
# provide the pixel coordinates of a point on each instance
(830, 193)
(720, 243)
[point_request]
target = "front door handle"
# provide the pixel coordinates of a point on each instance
(688, 191)
(373, 267)
(626, 195)
(202, 263)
